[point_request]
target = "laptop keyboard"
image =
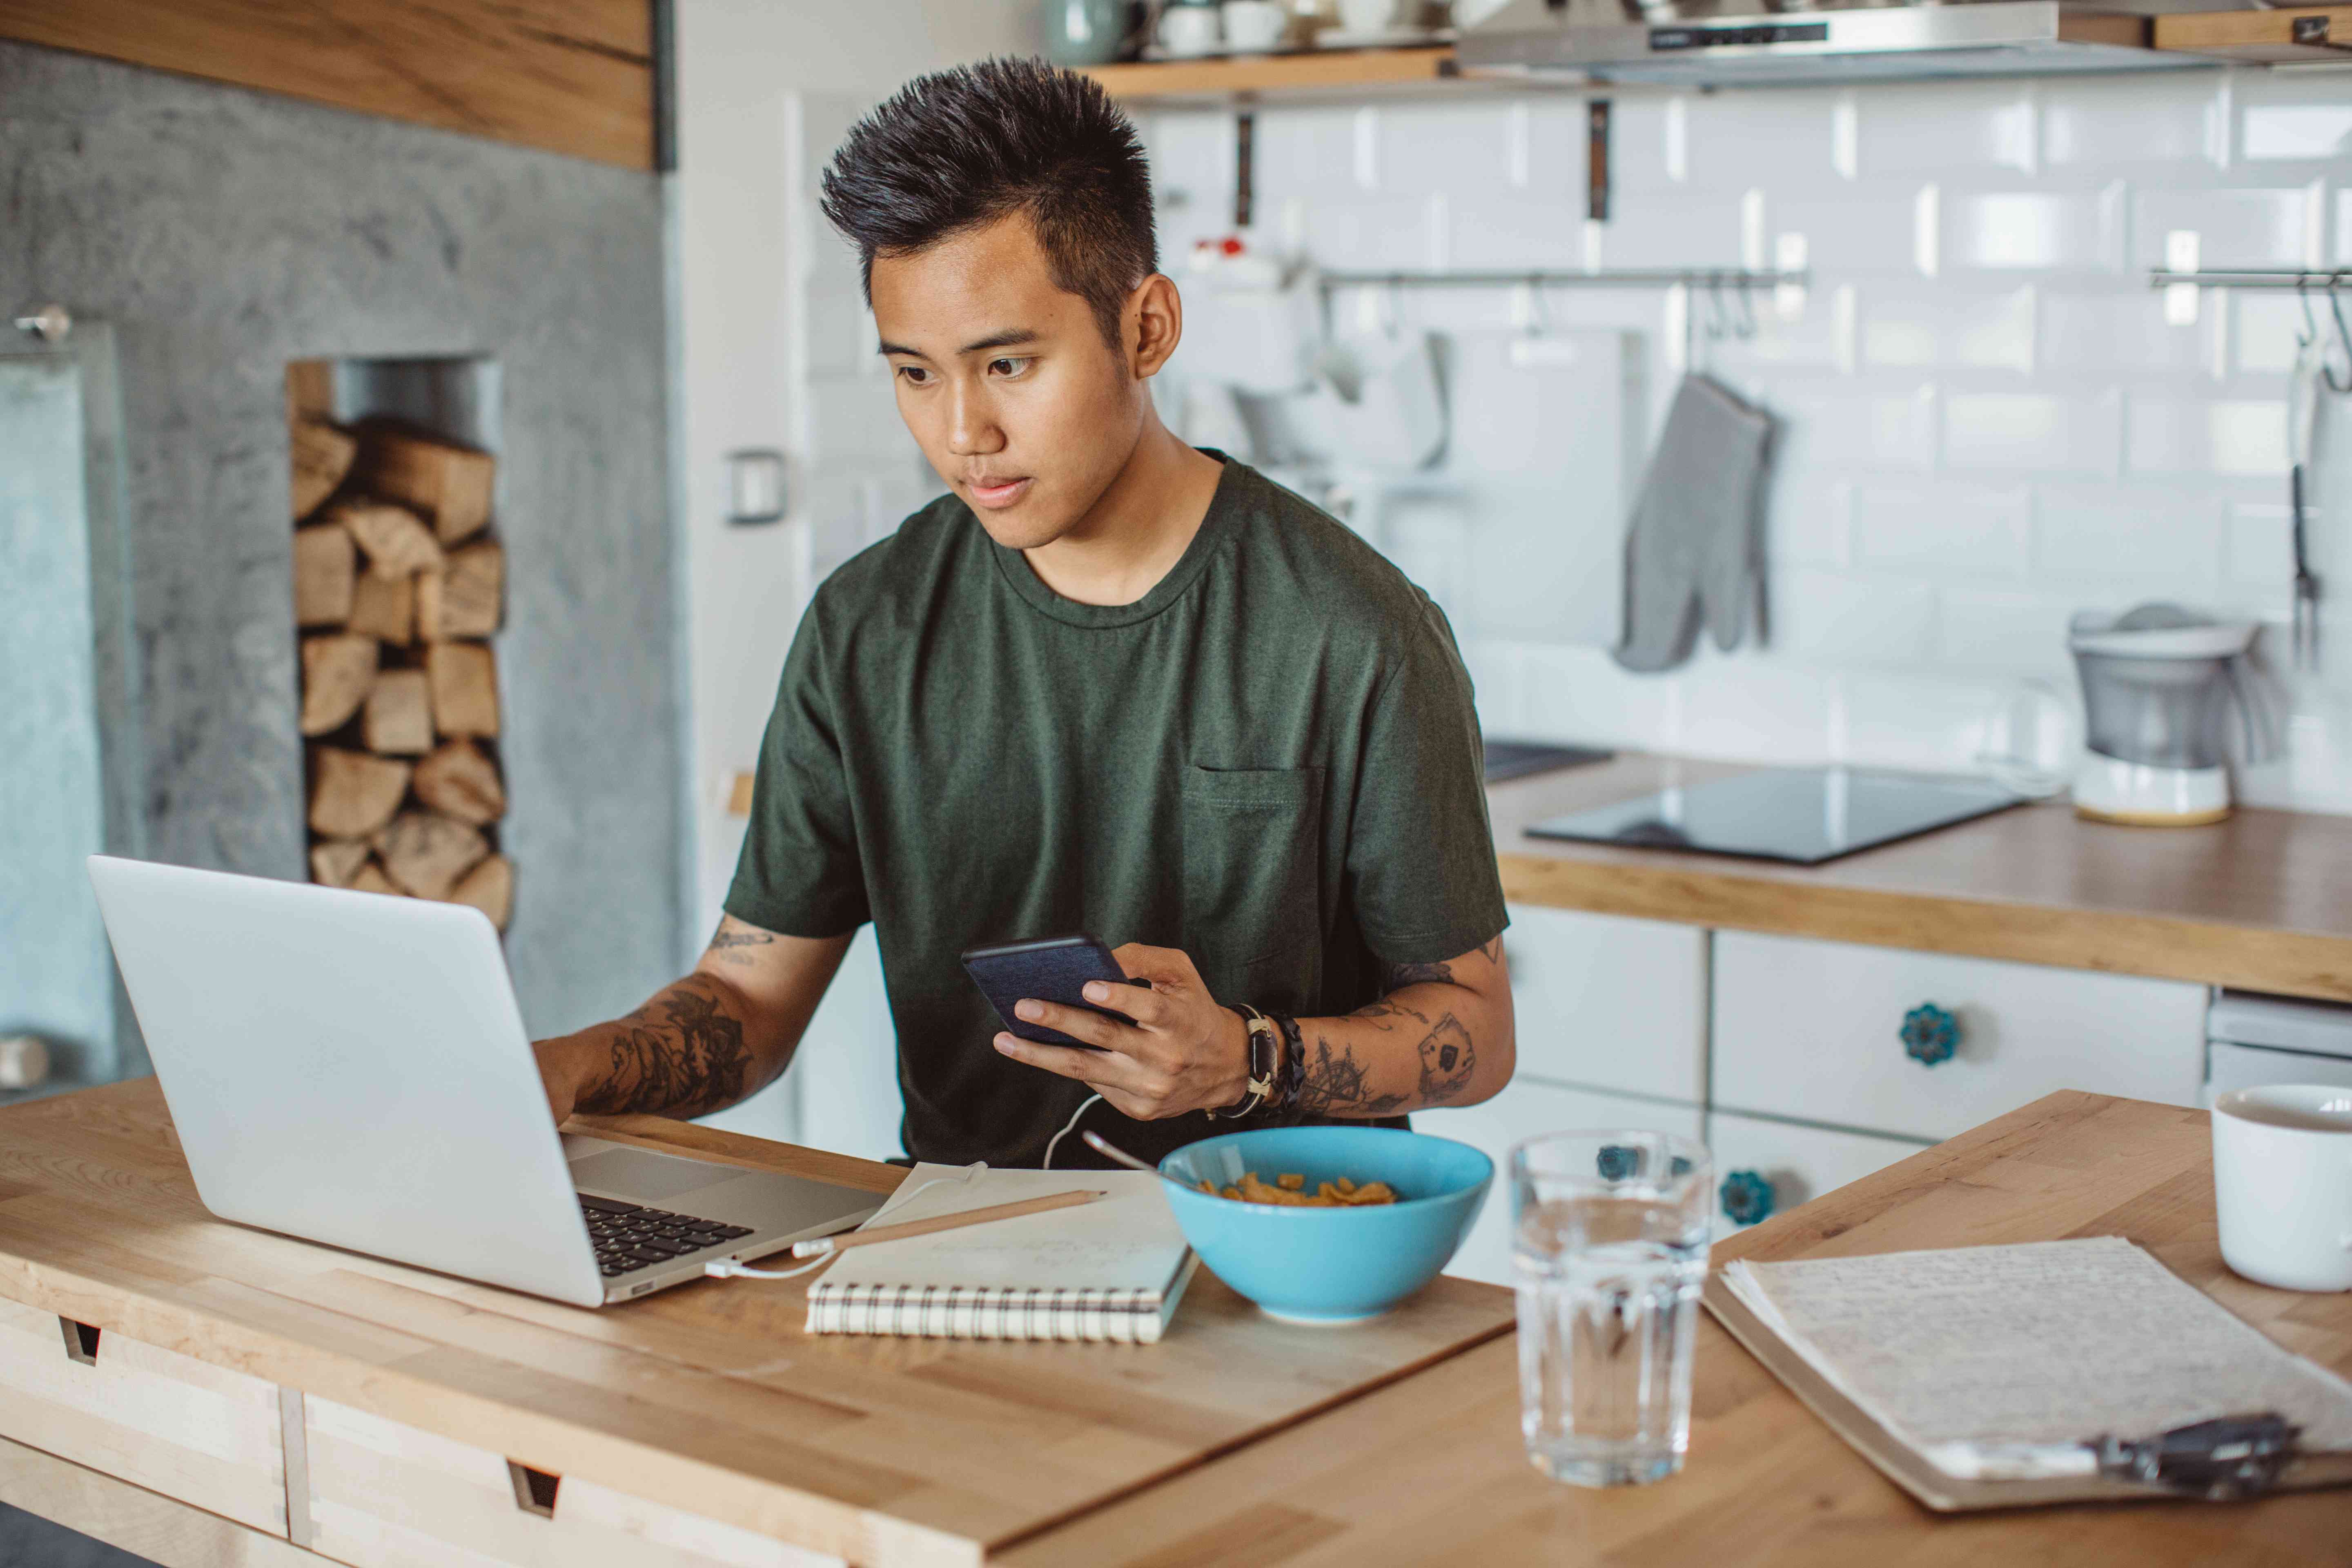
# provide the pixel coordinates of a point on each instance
(629, 1238)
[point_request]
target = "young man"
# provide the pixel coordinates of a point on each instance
(1109, 683)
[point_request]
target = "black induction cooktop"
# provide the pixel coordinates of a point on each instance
(1801, 815)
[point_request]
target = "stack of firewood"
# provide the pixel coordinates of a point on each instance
(397, 588)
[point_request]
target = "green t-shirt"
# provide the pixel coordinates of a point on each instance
(1269, 761)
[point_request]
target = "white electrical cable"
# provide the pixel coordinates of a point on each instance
(1055, 1141)
(728, 1268)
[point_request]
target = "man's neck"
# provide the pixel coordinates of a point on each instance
(1137, 528)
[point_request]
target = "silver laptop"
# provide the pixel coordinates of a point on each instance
(352, 1068)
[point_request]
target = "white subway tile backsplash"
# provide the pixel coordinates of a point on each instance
(2094, 530)
(2236, 436)
(1929, 329)
(1987, 420)
(1835, 618)
(1742, 140)
(1836, 432)
(2008, 231)
(1925, 127)
(2009, 630)
(2032, 430)
(2238, 229)
(2091, 123)
(2311, 129)
(2260, 545)
(1962, 526)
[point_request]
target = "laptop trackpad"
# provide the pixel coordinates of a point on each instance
(645, 1176)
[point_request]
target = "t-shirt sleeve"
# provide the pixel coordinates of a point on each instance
(800, 873)
(1421, 854)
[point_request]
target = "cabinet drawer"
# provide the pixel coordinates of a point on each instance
(201, 1434)
(386, 1495)
(1613, 1003)
(1795, 1165)
(2229, 1067)
(1814, 1031)
(1523, 1110)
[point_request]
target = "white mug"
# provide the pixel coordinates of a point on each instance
(1367, 16)
(1189, 29)
(2282, 1183)
(1253, 27)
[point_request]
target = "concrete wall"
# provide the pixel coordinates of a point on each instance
(223, 232)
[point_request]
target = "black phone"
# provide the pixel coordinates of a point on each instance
(1053, 968)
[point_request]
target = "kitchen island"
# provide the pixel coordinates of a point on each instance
(163, 1377)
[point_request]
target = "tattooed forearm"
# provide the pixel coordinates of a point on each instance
(1447, 1057)
(1336, 1084)
(681, 1053)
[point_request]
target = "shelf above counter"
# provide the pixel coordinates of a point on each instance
(1312, 73)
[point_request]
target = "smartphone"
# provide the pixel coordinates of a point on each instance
(1053, 969)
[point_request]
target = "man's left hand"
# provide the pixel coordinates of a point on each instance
(1172, 1050)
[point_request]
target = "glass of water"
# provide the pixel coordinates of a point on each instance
(1609, 1233)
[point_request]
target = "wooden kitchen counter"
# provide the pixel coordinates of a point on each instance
(707, 1398)
(2257, 901)
(1430, 1469)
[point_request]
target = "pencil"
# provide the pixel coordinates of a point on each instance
(826, 1245)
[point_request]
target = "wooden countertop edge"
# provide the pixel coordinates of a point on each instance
(2161, 947)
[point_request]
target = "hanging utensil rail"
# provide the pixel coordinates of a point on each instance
(2328, 279)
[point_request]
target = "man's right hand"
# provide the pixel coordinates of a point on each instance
(701, 1043)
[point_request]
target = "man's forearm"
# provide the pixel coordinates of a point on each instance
(690, 1049)
(1429, 1042)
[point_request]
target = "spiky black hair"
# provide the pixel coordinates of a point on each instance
(959, 149)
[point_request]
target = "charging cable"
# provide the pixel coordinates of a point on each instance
(728, 1268)
(1055, 1141)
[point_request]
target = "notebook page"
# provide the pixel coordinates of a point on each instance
(2045, 1342)
(1128, 1241)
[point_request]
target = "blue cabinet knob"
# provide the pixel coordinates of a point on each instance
(1930, 1034)
(1747, 1197)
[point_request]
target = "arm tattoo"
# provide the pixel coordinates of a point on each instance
(1335, 1082)
(1447, 1056)
(726, 945)
(681, 1053)
(1397, 976)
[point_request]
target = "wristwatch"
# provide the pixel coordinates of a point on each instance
(1260, 1083)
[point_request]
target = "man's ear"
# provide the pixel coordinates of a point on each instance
(1154, 324)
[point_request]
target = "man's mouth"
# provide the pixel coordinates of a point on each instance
(997, 494)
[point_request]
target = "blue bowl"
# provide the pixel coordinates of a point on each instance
(1330, 1265)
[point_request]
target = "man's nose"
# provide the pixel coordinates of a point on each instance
(972, 430)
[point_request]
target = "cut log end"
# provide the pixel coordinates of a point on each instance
(447, 484)
(336, 862)
(325, 568)
(372, 879)
(337, 671)
(398, 720)
(465, 679)
(354, 794)
(489, 888)
(322, 457)
(459, 780)
(384, 607)
(395, 540)
(462, 599)
(426, 853)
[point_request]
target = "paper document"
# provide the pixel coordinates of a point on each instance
(1995, 1362)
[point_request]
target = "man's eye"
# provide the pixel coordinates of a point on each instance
(914, 376)
(1008, 367)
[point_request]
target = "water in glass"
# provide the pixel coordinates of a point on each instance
(1609, 1254)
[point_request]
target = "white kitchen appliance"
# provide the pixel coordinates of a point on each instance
(2160, 687)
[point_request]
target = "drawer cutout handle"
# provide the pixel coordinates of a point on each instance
(534, 1491)
(82, 1342)
(1930, 1034)
(1746, 1196)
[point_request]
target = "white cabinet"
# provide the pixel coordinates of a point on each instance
(1607, 1001)
(1814, 1031)
(1793, 1164)
(1523, 1110)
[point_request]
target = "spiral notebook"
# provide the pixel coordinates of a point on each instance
(1108, 1272)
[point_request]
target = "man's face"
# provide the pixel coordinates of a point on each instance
(1005, 380)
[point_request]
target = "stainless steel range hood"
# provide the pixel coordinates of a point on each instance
(1687, 43)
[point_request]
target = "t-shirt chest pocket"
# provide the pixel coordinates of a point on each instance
(1253, 878)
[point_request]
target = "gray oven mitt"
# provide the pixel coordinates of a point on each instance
(1691, 547)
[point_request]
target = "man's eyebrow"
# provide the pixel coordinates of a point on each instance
(890, 348)
(1003, 340)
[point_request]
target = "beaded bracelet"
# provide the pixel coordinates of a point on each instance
(1290, 1077)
